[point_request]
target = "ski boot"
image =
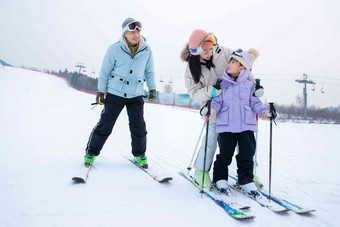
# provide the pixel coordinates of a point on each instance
(89, 159)
(250, 189)
(223, 187)
(199, 178)
(259, 185)
(141, 160)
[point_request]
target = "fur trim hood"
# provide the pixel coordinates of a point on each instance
(185, 54)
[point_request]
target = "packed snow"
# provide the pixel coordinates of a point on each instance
(44, 128)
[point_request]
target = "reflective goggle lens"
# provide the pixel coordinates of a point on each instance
(238, 52)
(208, 43)
(135, 25)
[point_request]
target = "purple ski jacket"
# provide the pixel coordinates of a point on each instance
(236, 107)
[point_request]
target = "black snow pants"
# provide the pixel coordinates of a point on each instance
(227, 142)
(112, 108)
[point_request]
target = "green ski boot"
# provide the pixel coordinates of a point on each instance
(257, 181)
(141, 160)
(199, 178)
(89, 159)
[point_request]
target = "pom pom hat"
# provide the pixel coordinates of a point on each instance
(246, 58)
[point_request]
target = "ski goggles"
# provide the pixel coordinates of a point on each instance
(206, 45)
(240, 53)
(132, 26)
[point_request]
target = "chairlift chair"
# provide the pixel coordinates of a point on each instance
(322, 90)
(313, 88)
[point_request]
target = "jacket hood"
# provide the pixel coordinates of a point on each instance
(185, 53)
(142, 41)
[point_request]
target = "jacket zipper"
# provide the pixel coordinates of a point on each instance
(131, 57)
(135, 54)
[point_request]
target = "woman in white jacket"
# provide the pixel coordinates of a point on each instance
(206, 62)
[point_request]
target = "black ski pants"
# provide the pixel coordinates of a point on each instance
(112, 108)
(227, 142)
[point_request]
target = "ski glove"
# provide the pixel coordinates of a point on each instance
(152, 94)
(258, 89)
(213, 92)
(100, 98)
(218, 84)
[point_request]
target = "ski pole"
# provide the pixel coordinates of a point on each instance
(255, 159)
(206, 142)
(198, 141)
(272, 118)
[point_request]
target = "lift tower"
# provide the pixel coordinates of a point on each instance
(305, 81)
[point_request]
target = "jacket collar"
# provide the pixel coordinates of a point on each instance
(142, 42)
(227, 80)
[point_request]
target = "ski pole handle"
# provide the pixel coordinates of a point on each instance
(272, 110)
(206, 109)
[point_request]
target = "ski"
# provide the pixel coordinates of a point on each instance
(220, 196)
(159, 179)
(82, 175)
(233, 212)
(227, 199)
(284, 203)
(262, 200)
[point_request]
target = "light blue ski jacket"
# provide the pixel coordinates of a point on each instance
(124, 75)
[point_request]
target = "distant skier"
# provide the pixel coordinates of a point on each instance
(127, 64)
(236, 110)
(206, 63)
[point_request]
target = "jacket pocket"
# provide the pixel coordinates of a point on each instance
(249, 116)
(135, 86)
(140, 86)
(116, 82)
(223, 116)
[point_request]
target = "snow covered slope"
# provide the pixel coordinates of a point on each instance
(44, 127)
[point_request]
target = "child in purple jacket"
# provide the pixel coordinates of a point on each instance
(236, 110)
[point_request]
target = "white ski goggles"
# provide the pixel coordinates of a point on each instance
(132, 26)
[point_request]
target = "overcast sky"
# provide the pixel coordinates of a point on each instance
(292, 36)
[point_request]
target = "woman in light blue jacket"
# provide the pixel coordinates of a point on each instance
(127, 64)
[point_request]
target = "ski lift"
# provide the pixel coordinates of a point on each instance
(313, 89)
(322, 90)
(161, 79)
